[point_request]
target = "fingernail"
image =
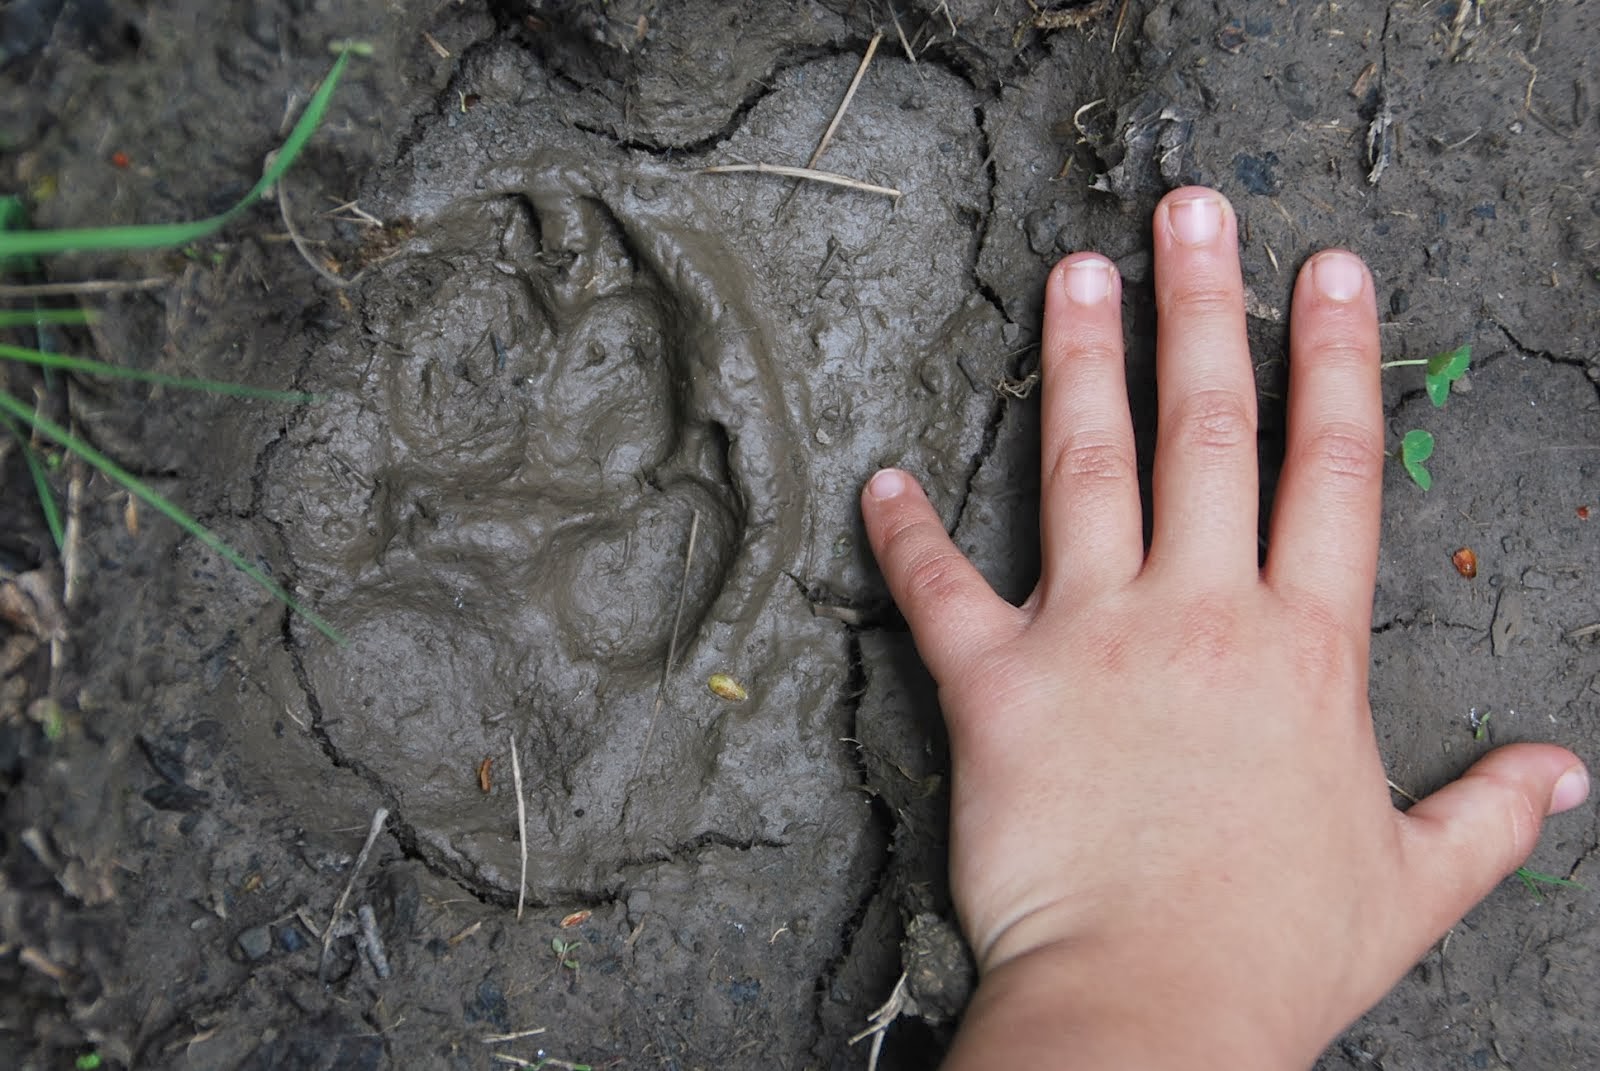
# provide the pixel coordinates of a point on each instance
(886, 483)
(1571, 790)
(1195, 221)
(1337, 275)
(1088, 281)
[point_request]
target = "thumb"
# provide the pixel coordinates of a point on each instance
(1462, 840)
(950, 607)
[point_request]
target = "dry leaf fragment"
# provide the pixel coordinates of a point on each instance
(725, 687)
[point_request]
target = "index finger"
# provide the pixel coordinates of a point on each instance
(1324, 541)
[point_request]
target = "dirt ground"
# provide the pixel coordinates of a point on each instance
(570, 362)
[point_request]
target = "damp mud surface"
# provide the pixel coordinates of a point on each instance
(590, 431)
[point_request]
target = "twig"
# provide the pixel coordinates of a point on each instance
(900, 33)
(433, 43)
(1116, 35)
(882, 1019)
(1583, 630)
(838, 114)
(372, 941)
(828, 177)
(357, 214)
(542, 1062)
(300, 243)
(89, 286)
(1402, 791)
(672, 643)
(522, 825)
(380, 816)
(501, 1039)
(849, 95)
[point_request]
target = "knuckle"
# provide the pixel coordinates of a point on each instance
(928, 567)
(1209, 628)
(1324, 647)
(1523, 819)
(1215, 420)
(1195, 303)
(1345, 452)
(1083, 461)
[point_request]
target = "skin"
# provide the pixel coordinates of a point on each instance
(1172, 843)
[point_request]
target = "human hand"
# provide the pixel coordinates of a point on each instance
(1171, 834)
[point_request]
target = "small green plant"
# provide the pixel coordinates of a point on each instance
(1534, 879)
(1415, 448)
(566, 952)
(20, 248)
(1443, 369)
(1440, 372)
(89, 1061)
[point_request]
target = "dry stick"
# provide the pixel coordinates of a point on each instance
(501, 1039)
(92, 286)
(1116, 35)
(828, 177)
(522, 824)
(838, 114)
(1401, 791)
(900, 33)
(672, 644)
(300, 243)
(380, 816)
(849, 95)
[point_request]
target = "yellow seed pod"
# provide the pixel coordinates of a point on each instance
(725, 687)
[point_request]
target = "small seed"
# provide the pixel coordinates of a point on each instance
(485, 776)
(1466, 562)
(577, 918)
(725, 687)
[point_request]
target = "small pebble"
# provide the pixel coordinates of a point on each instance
(255, 942)
(290, 939)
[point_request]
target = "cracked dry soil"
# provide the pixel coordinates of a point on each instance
(564, 345)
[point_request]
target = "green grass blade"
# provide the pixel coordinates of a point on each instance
(159, 235)
(11, 212)
(99, 368)
(34, 317)
(156, 501)
(41, 483)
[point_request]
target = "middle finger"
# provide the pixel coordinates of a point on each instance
(1205, 480)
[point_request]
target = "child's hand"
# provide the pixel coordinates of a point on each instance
(1171, 839)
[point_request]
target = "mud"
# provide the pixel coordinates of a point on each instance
(567, 349)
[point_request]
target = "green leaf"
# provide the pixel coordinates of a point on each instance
(100, 368)
(1452, 364)
(160, 235)
(89, 1061)
(156, 501)
(1417, 445)
(1415, 448)
(1443, 370)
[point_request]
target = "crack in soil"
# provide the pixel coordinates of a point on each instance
(1591, 373)
(1424, 619)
